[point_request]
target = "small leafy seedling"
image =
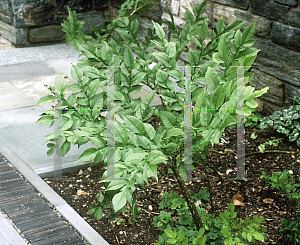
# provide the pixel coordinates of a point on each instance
(292, 229)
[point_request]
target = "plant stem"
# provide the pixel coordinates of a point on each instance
(187, 195)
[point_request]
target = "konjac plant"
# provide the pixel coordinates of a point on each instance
(139, 147)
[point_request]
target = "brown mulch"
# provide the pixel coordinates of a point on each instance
(81, 189)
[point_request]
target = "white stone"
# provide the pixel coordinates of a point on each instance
(175, 7)
(178, 21)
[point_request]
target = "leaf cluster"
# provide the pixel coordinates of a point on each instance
(283, 181)
(292, 229)
(224, 229)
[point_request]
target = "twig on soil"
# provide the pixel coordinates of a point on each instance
(268, 151)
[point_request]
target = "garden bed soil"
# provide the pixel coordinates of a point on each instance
(80, 190)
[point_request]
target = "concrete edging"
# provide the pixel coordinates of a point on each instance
(60, 204)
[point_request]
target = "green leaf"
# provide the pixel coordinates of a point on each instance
(91, 72)
(134, 26)
(135, 125)
(171, 241)
(88, 50)
(159, 30)
(72, 100)
(88, 155)
(116, 185)
(238, 38)
(167, 118)
(76, 73)
(173, 132)
(144, 142)
(128, 57)
(138, 78)
(217, 58)
(97, 141)
(205, 117)
(223, 48)
(46, 99)
(176, 74)
(259, 93)
(248, 33)
(248, 91)
(163, 58)
(169, 233)
(199, 10)
(119, 200)
(189, 18)
(258, 236)
(147, 100)
(171, 49)
(67, 125)
(218, 97)
(150, 130)
(180, 235)
(235, 25)
(248, 61)
(74, 87)
(249, 237)
(220, 26)
(99, 213)
(211, 79)
(161, 78)
(193, 57)
(44, 120)
(136, 157)
(251, 104)
(65, 148)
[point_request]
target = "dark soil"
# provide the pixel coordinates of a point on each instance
(81, 189)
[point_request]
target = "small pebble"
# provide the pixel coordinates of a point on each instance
(76, 197)
(80, 172)
(89, 169)
(70, 185)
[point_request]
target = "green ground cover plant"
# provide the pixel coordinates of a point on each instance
(139, 147)
(286, 182)
(291, 229)
(286, 122)
(254, 119)
(283, 181)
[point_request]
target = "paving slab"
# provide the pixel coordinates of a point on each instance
(37, 54)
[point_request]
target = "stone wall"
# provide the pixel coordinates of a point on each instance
(278, 37)
(31, 22)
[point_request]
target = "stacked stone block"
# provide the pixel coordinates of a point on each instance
(30, 22)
